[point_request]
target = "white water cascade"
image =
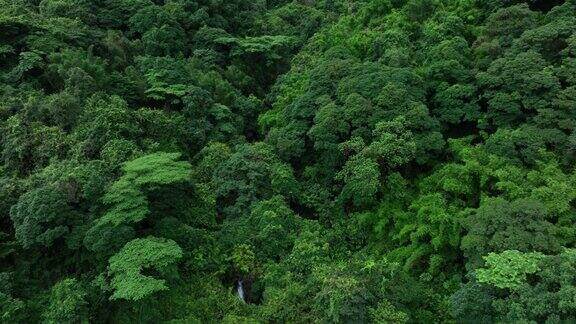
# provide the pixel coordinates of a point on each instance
(240, 291)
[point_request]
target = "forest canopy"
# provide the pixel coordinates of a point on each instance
(287, 161)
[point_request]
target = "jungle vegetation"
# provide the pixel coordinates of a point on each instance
(344, 161)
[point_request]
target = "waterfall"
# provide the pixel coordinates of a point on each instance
(240, 290)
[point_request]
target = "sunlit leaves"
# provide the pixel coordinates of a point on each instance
(509, 268)
(126, 267)
(126, 196)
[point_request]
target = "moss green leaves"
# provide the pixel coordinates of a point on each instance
(68, 303)
(41, 216)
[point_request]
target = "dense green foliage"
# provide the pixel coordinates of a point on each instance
(344, 161)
